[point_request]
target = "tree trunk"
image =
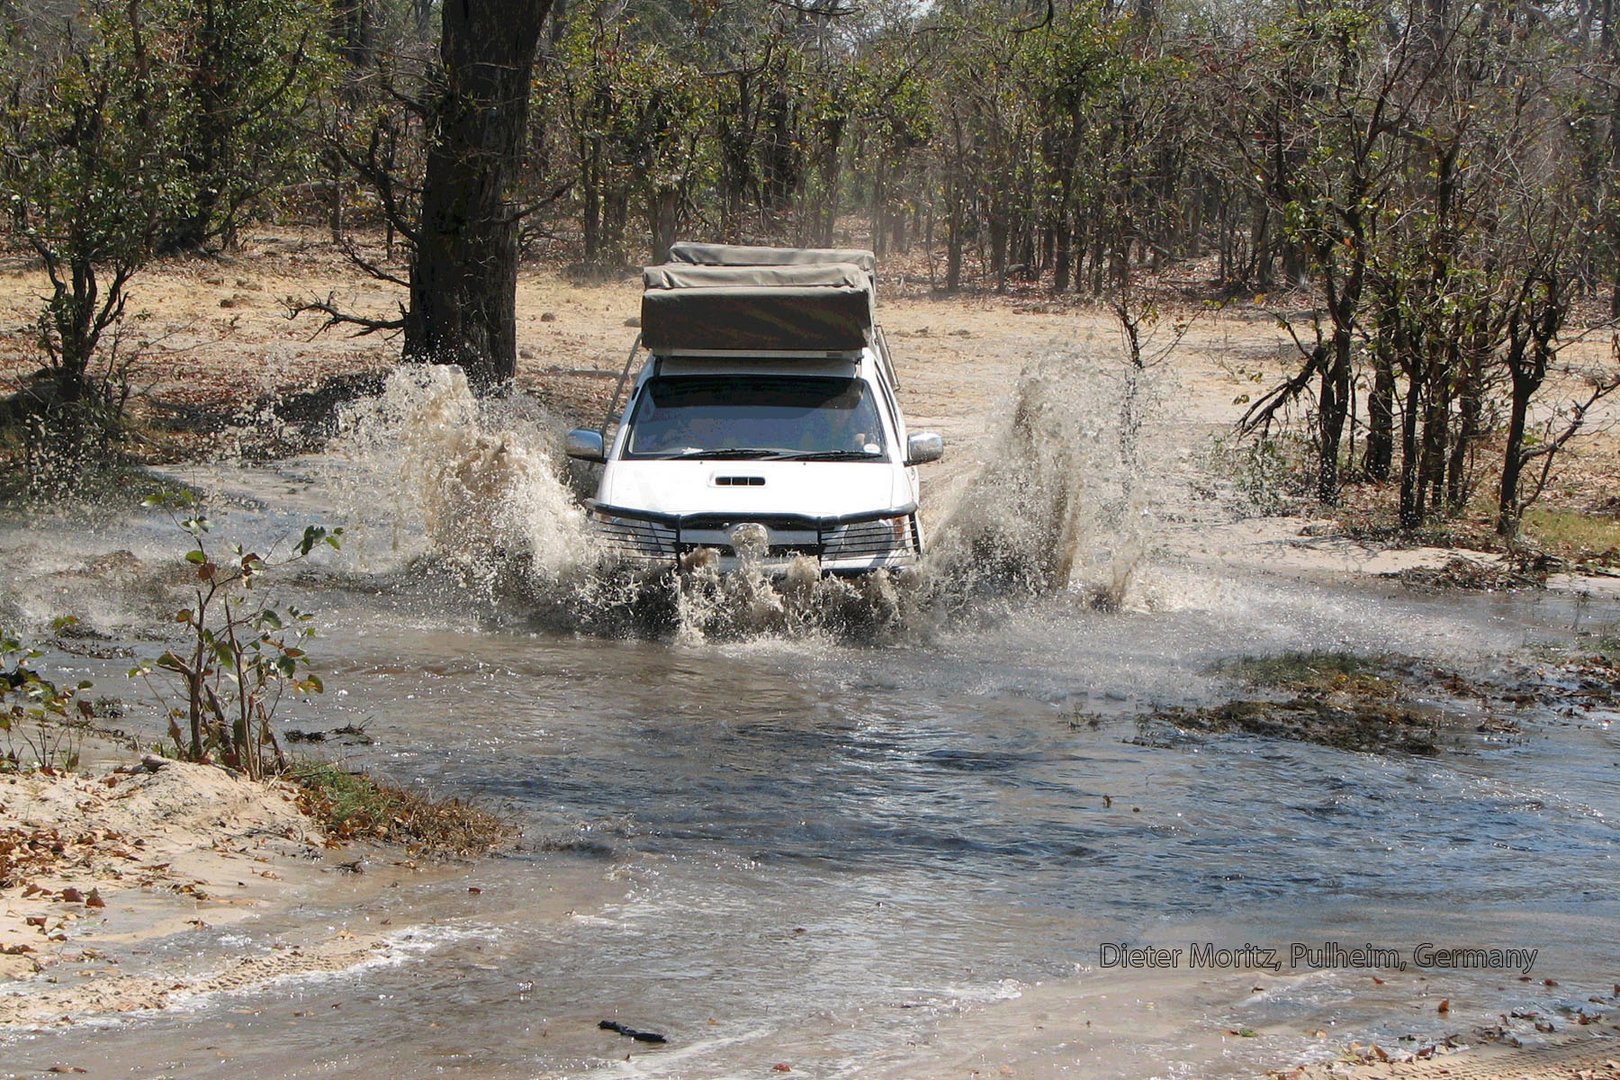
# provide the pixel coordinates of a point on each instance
(1508, 510)
(998, 243)
(1380, 451)
(1411, 512)
(955, 222)
(1436, 439)
(663, 215)
(463, 292)
(1061, 255)
(1333, 411)
(1470, 406)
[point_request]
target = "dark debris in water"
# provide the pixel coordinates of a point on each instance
(1390, 704)
(632, 1033)
(1370, 726)
(347, 735)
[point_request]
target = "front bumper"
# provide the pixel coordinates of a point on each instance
(846, 544)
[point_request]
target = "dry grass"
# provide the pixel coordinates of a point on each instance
(354, 806)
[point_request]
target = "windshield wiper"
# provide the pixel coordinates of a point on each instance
(734, 453)
(837, 455)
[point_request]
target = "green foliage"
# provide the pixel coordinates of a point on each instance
(636, 115)
(142, 126)
(1266, 472)
(1568, 533)
(35, 712)
(243, 654)
(250, 73)
(93, 170)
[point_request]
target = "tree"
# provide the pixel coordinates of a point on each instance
(463, 276)
(251, 71)
(636, 116)
(93, 179)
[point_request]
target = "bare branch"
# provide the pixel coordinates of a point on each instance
(336, 317)
(1265, 408)
(352, 253)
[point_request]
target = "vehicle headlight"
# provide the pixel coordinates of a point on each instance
(629, 537)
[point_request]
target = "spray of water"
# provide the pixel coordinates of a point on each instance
(466, 483)
(477, 488)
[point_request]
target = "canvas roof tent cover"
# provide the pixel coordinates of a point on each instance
(742, 255)
(785, 302)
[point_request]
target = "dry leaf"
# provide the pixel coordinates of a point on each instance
(1445, 1006)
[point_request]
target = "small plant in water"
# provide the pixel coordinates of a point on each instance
(1318, 671)
(242, 655)
(36, 712)
(354, 806)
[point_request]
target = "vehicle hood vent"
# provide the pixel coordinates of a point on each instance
(739, 481)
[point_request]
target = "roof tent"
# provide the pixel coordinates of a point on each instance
(740, 255)
(787, 300)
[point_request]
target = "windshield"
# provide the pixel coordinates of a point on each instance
(787, 416)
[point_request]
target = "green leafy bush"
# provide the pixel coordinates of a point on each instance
(242, 655)
(36, 712)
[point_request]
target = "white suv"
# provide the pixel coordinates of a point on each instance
(763, 423)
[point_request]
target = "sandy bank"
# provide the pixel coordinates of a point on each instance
(94, 860)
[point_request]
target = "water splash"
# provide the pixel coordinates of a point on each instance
(1065, 501)
(477, 488)
(471, 484)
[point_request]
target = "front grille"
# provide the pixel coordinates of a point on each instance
(868, 540)
(739, 481)
(631, 538)
(877, 542)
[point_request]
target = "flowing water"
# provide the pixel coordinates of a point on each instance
(887, 843)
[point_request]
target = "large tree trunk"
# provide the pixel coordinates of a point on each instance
(464, 273)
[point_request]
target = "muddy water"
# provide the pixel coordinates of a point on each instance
(896, 859)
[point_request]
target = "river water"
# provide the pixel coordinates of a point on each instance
(899, 855)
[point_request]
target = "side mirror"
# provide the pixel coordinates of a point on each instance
(586, 445)
(923, 447)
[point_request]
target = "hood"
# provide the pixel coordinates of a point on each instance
(807, 488)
